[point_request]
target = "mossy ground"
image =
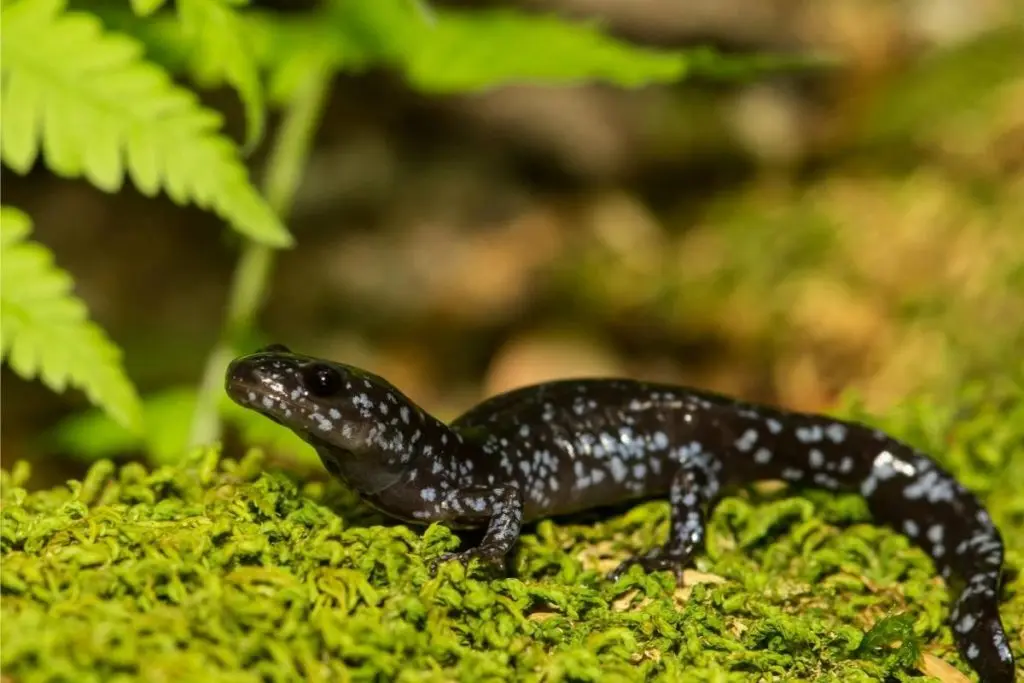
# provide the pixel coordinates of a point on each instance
(220, 570)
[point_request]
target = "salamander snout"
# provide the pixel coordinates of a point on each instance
(305, 394)
(361, 426)
(269, 376)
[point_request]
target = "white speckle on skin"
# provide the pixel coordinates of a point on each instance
(973, 651)
(618, 469)
(429, 495)
(933, 486)
(577, 469)
(836, 432)
(846, 464)
(267, 402)
(810, 434)
(596, 476)
(910, 528)
(966, 623)
(884, 467)
(747, 441)
(404, 413)
(774, 426)
(825, 481)
(763, 456)
(817, 458)
(935, 532)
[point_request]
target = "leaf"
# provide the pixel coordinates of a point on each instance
(45, 331)
(473, 51)
(221, 52)
(451, 51)
(96, 108)
(167, 416)
(145, 8)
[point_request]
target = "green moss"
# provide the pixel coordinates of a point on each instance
(217, 570)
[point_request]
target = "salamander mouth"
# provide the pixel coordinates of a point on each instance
(279, 409)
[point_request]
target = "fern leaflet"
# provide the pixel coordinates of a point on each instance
(97, 108)
(469, 51)
(221, 53)
(45, 331)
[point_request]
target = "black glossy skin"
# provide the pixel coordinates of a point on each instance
(568, 446)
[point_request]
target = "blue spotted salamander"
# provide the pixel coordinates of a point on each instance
(566, 446)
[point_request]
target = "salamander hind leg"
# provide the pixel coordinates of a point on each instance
(501, 508)
(693, 488)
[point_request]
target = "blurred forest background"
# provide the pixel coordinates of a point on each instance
(786, 239)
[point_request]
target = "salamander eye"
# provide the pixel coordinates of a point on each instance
(321, 380)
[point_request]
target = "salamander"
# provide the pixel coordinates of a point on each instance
(566, 446)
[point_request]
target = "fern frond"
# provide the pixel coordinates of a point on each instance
(97, 109)
(447, 51)
(145, 8)
(221, 53)
(45, 331)
(469, 51)
(441, 50)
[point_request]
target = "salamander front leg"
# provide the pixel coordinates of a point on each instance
(501, 506)
(693, 488)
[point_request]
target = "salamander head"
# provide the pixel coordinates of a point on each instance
(358, 422)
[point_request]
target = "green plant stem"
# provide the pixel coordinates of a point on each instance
(284, 170)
